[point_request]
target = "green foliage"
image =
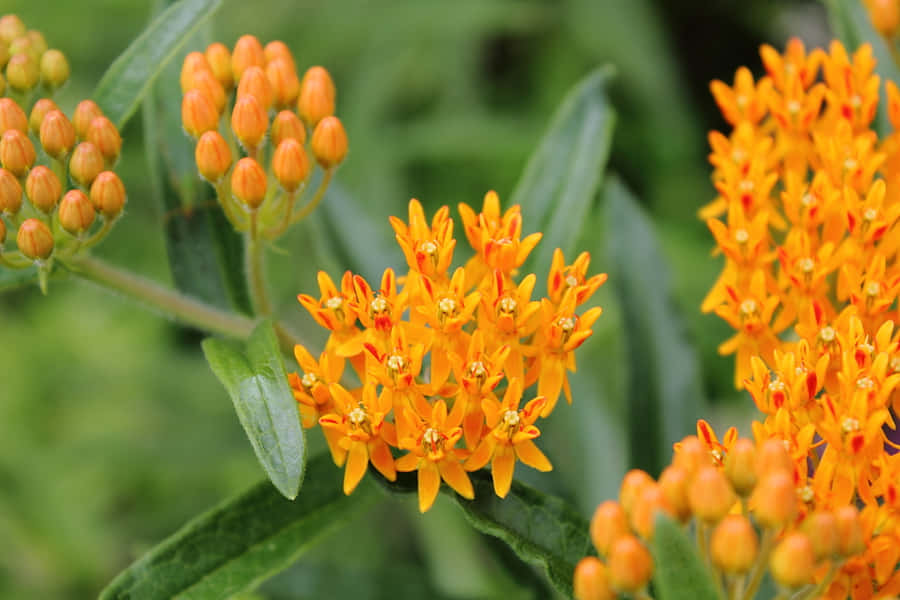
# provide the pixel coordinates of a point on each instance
(257, 383)
(679, 572)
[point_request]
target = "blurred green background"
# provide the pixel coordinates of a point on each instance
(113, 431)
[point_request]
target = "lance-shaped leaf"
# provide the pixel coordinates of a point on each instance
(240, 543)
(255, 378)
(559, 183)
(678, 570)
(130, 76)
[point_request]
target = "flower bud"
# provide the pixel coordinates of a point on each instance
(630, 565)
(283, 81)
(2, 234)
(734, 545)
(249, 121)
(43, 189)
(822, 530)
(248, 52)
(290, 164)
(691, 454)
(608, 524)
(219, 59)
(792, 563)
(38, 112)
(314, 102)
(34, 239)
(37, 41)
(11, 27)
(16, 152)
(104, 135)
(320, 73)
(213, 156)
(329, 142)
(885, 16)
(740, 466)
(25, 45)
(286, 125)
(198, 113)
(85, 164)
(85, 112)
(255, 83)
(57, 134)
(850, 532)
(277, 49)
(710, 495)
(592, 581)
(774, 500)
(771, 456)
(12, 116)
(22, 72)
(674, 485)
(632, 484)
(649, 503)
(248, 183)
(76, 213)
(108, 194)
(54, 69)
(10, 193)
(194, 63)
(207, 83)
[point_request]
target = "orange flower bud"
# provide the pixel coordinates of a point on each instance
(710, 495)
(22, 72)
(850, 532)
(822, 530)
(255, 83)
(277, 49)
(792, 563)
(213, 156)
(632, 484)
(290, 164)
(38, 112)
(734, 545)
(2, 233)
(76, 213)
(103, 134)
(108, 194)
(34, 239)
(85, 164)
(248, 52)
(329, 142)
(774, 500)
(24, 45)
(592, 581)
(248, 183)
(57, 134)
(12, 116)
(198, 113)
(37, 41)
(43, 189)
(314, 102)
(194, 63)
(630, 565)
(674, 484)
(287, 124)
(885, 15)
(16, 152)
(85, 112)
(283, 81)
(219, 59)
(207, 83)
(691, 455)
(773, 456)
(608, 524)
(10, 193)
(740, 466)
(54, 69)
(321, 73)
(11, 27)
(249, 121)
(649, 503)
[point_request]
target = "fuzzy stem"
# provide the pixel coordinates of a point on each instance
(254, 263)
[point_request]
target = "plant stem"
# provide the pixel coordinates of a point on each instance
(180, 307)
(310, 206)
(255, 265)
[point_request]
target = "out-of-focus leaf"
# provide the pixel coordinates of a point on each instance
(257, 383)
(559, 183)
(665, 394)
(11, 279)
(130, 76)
(238, 544)
(678, 571)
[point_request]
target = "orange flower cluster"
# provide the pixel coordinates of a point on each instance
(432, 348)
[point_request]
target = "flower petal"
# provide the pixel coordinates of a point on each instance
(456, 477)
(530, 454)
(502, 469)
(357, 461)
(429, 484)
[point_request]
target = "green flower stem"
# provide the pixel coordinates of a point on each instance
(254, 263)
(310, 206)
(182, 308)
(762, 562)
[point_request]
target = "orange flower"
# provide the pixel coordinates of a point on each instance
(478, 374)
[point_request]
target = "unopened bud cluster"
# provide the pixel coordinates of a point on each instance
(749, 515)
(26, 61)
(253, 116)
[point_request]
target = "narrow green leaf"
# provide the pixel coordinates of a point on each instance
(559, 183)
(243, 541)
(130, 76)
(257, 383)
(678, 572)
(665, 392)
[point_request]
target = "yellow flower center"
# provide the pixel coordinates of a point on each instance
(793, 107)
(447, 307)
(806, 494)
(510, 422)
(748, 307)
(870, 214)
(808, 200)
(895, 363)
(873, 289)
(776, 385)
(571, 281)
(358, 416)
(429, 247)
(508, 305)
(308, 380)
(378, 304)
(741, 100)
(807, 265)
(865, 383)
(738, 155)
(849, 425)
(741, 236)
(395, 363)
(746, 186)
(850, 164)
(334, 303)
(477, 370)
(432, 440)
(855, 101)
(827, 334)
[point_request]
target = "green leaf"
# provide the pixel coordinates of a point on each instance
(679, 572)
(11, 279)
(665, 393)
(559, 183)
(238, 544)
(130, 76)
(257, 383)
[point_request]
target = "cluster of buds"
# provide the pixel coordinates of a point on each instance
(750, 509)
(252, 118)
(26, 61)
(445, 356)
